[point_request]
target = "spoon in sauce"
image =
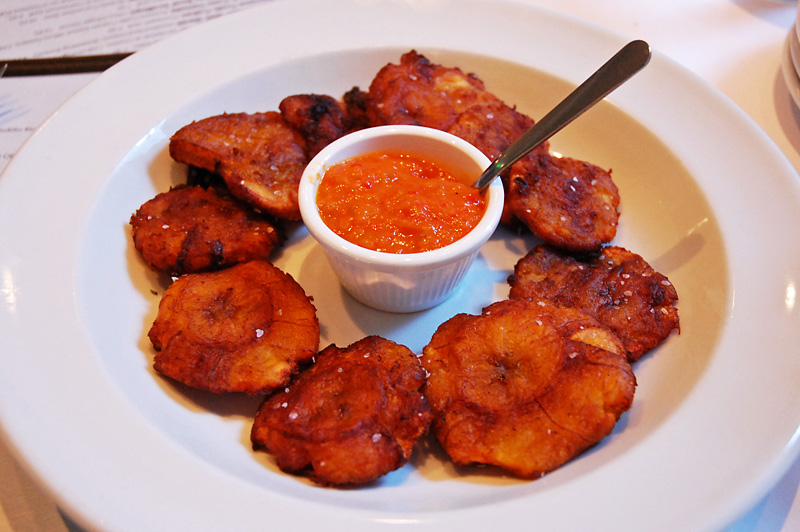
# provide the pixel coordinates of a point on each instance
(617, 70)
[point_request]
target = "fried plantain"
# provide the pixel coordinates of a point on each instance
(352, 417)
(418, 92)
(200, 177)
(525, 386)
(190, 229)
(244, 329)
(319, 118)
(617, 287)
(568, 203)
(355, 104)
(492, 128)
(260, 157)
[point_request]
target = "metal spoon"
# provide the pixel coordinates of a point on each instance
(617, 70)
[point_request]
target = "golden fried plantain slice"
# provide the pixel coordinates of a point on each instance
(259, 155)
(243, 329)
(352, 417)
(492, 127)
(190, 229)
(319, 118)
(419, 92)
(568, 203)
(525, 386)
(618, 287)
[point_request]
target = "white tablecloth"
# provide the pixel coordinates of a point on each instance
(735, 45)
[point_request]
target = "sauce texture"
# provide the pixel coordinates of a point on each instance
(397, 203)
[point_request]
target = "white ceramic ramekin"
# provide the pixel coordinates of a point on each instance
(400, 282)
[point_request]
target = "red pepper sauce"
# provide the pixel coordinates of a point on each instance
(397, 203)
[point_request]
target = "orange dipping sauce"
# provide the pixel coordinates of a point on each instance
(397, 203)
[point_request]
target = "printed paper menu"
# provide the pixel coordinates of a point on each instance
(32, 29)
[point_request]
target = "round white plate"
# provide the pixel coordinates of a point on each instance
(706, 198)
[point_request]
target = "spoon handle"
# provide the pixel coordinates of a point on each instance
(625, 63)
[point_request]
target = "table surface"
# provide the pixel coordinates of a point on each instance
(735, 45)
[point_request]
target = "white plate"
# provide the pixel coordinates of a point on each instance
(706, 197)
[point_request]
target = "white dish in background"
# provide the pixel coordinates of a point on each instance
(794, 51)
(797, 24)
(789, 60)
(716, 411)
